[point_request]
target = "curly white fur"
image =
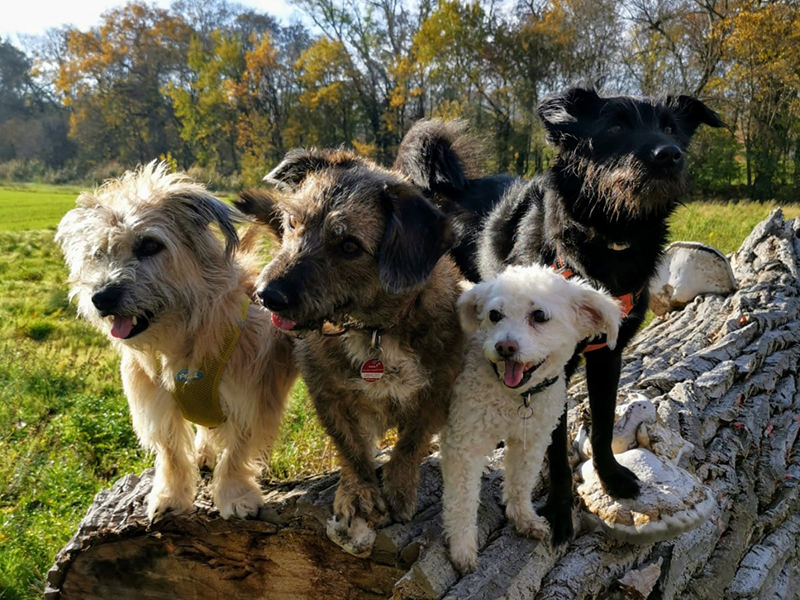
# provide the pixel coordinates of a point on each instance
(190, 293)
(502, 317)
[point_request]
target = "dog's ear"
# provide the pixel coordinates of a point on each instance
(298, 164)
(596, 312)
(417, 235)
(561, 114)
(693, 113)
(263, 207)
(470, 306)
(207, 209)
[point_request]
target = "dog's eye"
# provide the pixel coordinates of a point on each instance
(350, 246)
(668, 130)
(292, 222)
(148, 247)
(538, 316)
(495, 316)
(615, 129)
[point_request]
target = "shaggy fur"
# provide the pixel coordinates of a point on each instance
(364, 251)
(602, 209)
(149, 272)
(507, 332)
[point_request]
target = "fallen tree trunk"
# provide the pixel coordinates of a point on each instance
(723, 373)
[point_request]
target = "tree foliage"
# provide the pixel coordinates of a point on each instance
(230, 89)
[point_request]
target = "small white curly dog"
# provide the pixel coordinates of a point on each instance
(150, 273)
(523, 326)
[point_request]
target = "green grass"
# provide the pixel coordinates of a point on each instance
(65, 431)
(26, 206)
(723, 225)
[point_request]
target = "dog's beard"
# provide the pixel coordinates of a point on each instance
(625, 188)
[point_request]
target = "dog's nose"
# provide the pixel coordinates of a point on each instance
(273, 298)
(667, 155)
(506, 348)
(107, 299)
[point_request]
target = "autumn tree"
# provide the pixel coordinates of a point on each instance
(113, 77)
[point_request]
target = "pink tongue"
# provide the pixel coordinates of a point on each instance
(514, 373)
(282, 322)
(121, 328)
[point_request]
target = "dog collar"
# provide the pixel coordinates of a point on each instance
(627, 301)
(197, 391)
(525, 411)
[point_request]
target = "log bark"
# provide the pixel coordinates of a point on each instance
(723, 373)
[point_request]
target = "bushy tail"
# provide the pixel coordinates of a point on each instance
(439, 156)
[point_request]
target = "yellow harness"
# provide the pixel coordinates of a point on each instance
(197, 391)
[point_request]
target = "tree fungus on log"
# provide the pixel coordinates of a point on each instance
(722, 374)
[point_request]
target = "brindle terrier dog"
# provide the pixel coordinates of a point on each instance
(363, 255)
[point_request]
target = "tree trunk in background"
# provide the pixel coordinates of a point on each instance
(723, 373)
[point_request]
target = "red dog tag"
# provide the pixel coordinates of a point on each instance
(372, 370)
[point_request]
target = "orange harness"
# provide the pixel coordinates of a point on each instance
(626, 301)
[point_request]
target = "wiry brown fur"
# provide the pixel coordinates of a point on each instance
(191, 293)
(400, 283)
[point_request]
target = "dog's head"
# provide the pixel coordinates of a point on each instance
(142, 256)
(530, 319)
(630, 153)
(352, 236)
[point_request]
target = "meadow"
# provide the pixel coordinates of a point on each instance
(64, 428)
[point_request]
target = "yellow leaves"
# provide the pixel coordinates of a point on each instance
(365, 149)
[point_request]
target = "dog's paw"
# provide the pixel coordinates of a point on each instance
(359, 499)
(528, 523)
(618, 481)
(559, 515)
(161, 503)
(238, 498)
(464, 554)
(402, 501)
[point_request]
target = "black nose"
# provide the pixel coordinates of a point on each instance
(274, 298)
(107, 299)
(506, 348)
(667, 155)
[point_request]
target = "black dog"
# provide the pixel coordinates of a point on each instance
(601, 212)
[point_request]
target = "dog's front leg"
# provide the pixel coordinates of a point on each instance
(358, 493)
(558, 508)
(235, 488)
(401, 473)
(602, 380)
(462, 465)
(523, 462)
(160, 426)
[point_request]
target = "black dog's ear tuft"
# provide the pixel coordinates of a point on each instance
(561, 114)
(263, 207)
(438, 156)
(694, 113)
(417, 235)
(298, 164)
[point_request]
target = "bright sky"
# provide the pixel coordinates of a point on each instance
(36, 16)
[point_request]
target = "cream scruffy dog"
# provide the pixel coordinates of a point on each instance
(523, 327)
(149, 271)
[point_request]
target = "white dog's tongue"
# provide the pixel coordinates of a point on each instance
(513, 374)
(121, 327)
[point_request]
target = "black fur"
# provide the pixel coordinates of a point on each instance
(263, 207)
(601, 210)
(417, 235)
(440, 159)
